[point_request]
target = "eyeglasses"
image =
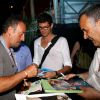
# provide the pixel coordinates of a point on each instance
(45, 27)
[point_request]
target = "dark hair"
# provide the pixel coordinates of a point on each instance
(13, 21)
(92, 12)
(44, 17)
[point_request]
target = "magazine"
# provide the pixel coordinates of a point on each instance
(64, 86)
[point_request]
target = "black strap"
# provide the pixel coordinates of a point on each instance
(48, 49)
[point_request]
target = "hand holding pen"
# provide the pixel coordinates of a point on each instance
(62, 74)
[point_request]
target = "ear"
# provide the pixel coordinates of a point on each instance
(10, 30)
(52, 25)
(98, 22)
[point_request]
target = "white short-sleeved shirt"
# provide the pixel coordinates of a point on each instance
(58, 56)
(94, 71)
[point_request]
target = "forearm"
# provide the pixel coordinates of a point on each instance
(75, 49)
(65, 70)
(90, 93)
(97, 95)
(53, 74)
(8, 82)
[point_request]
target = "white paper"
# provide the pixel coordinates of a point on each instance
(35, 86)
(20, 97)
(23, 97)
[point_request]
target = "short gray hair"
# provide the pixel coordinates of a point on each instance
(93, 12)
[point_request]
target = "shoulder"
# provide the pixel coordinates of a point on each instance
(38, 40)
(97, 54)
(2, 48)
(26, 48)
(98, 50)
(62, 39)
(22, 48)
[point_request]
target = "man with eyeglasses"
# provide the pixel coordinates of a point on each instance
(58, 59)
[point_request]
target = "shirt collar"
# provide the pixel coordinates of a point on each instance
(40, 43)
(4, 44)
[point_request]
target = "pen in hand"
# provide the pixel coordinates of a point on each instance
(62, 74)
(64, 77)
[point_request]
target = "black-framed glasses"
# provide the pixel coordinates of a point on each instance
(45, 27)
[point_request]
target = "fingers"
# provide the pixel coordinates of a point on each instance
(31, 71)
(67, 77)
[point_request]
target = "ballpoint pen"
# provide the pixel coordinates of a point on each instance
(62, 74)
(64, 78)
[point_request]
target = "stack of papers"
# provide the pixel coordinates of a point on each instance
(35, 86)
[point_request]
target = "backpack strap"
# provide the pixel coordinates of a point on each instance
(53, 41)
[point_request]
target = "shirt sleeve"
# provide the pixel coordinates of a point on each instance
(95, 62)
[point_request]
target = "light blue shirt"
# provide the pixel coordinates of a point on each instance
(23, 57)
